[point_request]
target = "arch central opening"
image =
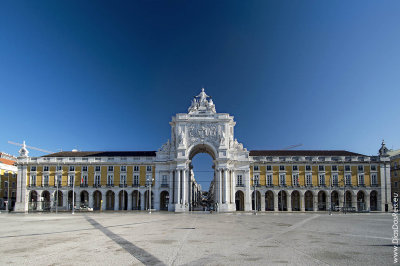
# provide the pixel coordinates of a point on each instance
(202, 169)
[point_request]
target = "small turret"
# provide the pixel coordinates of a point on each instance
(23, 152)
(383, 151)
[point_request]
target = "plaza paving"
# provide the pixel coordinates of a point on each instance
(195, 239)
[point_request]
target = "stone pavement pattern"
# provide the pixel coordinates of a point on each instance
(195, 239)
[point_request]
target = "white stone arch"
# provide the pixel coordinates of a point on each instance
(202, 147)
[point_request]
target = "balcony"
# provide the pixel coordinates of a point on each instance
(96, 185)
(164, 185)
(135, 185)
(84, 185)
(45, 185)
(270, 185)
(110, 185)
(32, 185)
(239, 185)
(122, 185)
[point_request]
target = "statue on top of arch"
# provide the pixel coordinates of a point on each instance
(200, 104)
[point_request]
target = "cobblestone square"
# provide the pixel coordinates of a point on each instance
(134, 238)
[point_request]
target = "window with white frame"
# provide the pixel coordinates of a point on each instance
(282, 179)
(361, 179)
(71, 168)
(321, 168)
(256, 168)
(281, 168)
(59, 168)
(335, 179)
(110, 168)
(110, 180)
(45, 180)
(84, 168)
(164, 180)
(14, 175)
(348, 179)
(33, 180)
(45, 168)
(269, 180)
(269, 167)
(5, 174)
(148, 168)
(308, 179)
(5, 184)
(123, 179)
(97, 168)
(321, 179)
(13, 184)
(295, 178)
(256, 180)
(71, 180)
(136, 180)
(308, 167)
(84, 180)
(347, 168)
(239, 180)
(33, 168)
(373, 167)
(334, 168)
(123, 168)
(136, 168)
(295, 168)
(97, 180)
(361, 168)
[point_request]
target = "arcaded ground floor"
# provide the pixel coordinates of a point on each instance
(115, 238)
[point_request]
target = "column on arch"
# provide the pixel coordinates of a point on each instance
(177, 185)
(219, 186)
(171, 189)
(104, 199)
(224, 187)
(315, 201)
(276, 202)
(367, 201)
(289, 201)
(247, 194)
(65, 198)
(184, 187)
(142, 199)
(116, 200)
(232, 174)
(354, 200)
(90, 200)
(302, 202)
(262, 201)
(129, 195)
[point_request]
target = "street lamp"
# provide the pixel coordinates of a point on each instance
(149, 183)
(73, 194)
(255, 179)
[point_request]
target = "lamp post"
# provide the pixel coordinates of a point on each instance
(8, 192)
(255, 179)
(149, 183)
(73, 193)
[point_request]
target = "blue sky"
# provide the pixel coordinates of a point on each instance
(107, 75)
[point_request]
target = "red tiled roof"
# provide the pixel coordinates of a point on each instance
(6, 161)
(101, 153)
(303, 153)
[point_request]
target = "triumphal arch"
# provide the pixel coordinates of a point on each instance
(242, 180)
(203, 130)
